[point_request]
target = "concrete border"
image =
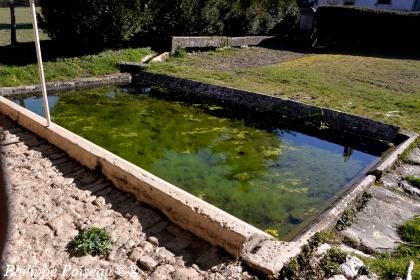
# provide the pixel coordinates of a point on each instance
(90, 82)
(193, 214)
(216, 41)
(283, 108)
(390, 159)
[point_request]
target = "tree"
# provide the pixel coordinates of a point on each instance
(93, 23)
(13, 39)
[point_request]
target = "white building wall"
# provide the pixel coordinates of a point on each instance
(404, 5)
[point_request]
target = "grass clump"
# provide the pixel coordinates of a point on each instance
(93, 241)
(391, 266)
(64, 69)
(331, 262)
(413, 180)
(179, 53)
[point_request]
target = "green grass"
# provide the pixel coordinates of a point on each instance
(395, 265)
(413, 180)
(24, 24)
(93, 241)
(70, 68)
(384, 89)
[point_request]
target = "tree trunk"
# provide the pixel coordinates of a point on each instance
(13, 39)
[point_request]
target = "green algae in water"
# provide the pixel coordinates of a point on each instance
(272, 178)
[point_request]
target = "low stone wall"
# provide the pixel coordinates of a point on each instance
(216, 41)
(283, 108)
(114, 79)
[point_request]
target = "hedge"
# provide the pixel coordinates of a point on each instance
(360, 27)
(112, 22)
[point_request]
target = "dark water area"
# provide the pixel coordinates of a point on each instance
(264, 173)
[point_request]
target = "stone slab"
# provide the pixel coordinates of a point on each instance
(369, 228)
(216, 41)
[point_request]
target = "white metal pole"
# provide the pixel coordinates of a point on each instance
(40, 66)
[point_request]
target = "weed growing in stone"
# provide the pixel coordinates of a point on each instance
(413, 180)
(391, 266)
(94, 242)
(330, 264)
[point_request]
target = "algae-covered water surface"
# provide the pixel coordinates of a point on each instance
(272, 177)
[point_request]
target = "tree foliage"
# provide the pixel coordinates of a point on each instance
(97, 22)
(112, 22)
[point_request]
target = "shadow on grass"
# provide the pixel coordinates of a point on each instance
(24, 53)
(389, 52)
(5, 26)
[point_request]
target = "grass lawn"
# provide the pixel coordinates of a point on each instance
(69, 68)
(385, 89)
(24, 26)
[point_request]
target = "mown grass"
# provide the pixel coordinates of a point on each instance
(385, 89)
(69, 68)
(395, 265)
(24, 26)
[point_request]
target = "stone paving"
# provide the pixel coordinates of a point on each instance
(52, 198)
(393, 202)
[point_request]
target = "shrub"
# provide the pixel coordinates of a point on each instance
(219, 17)
(94, 241)
(359, 27)
(93, 22)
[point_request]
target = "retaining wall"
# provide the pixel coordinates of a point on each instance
(52, 87)
(216, 41)
(283, 108)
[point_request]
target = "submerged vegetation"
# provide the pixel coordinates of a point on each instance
(271, 177)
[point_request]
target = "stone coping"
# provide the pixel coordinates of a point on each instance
(283, 108)
(216, 41)
(53, 87)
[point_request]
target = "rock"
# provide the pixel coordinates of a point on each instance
(136, 254)
(376, 225)
(148, 262)
(62, 225)
(414, 156)
(86, 261)
(147, 247)
(337, 277)
(410, 189)
(409, 170)
(99, 201)
(351, 267)
(165, 256)
(153, 240)
(162, 272)
(186, 274)
(322, 250)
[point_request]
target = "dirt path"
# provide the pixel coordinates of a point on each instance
(234, 58)
(51, 198)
